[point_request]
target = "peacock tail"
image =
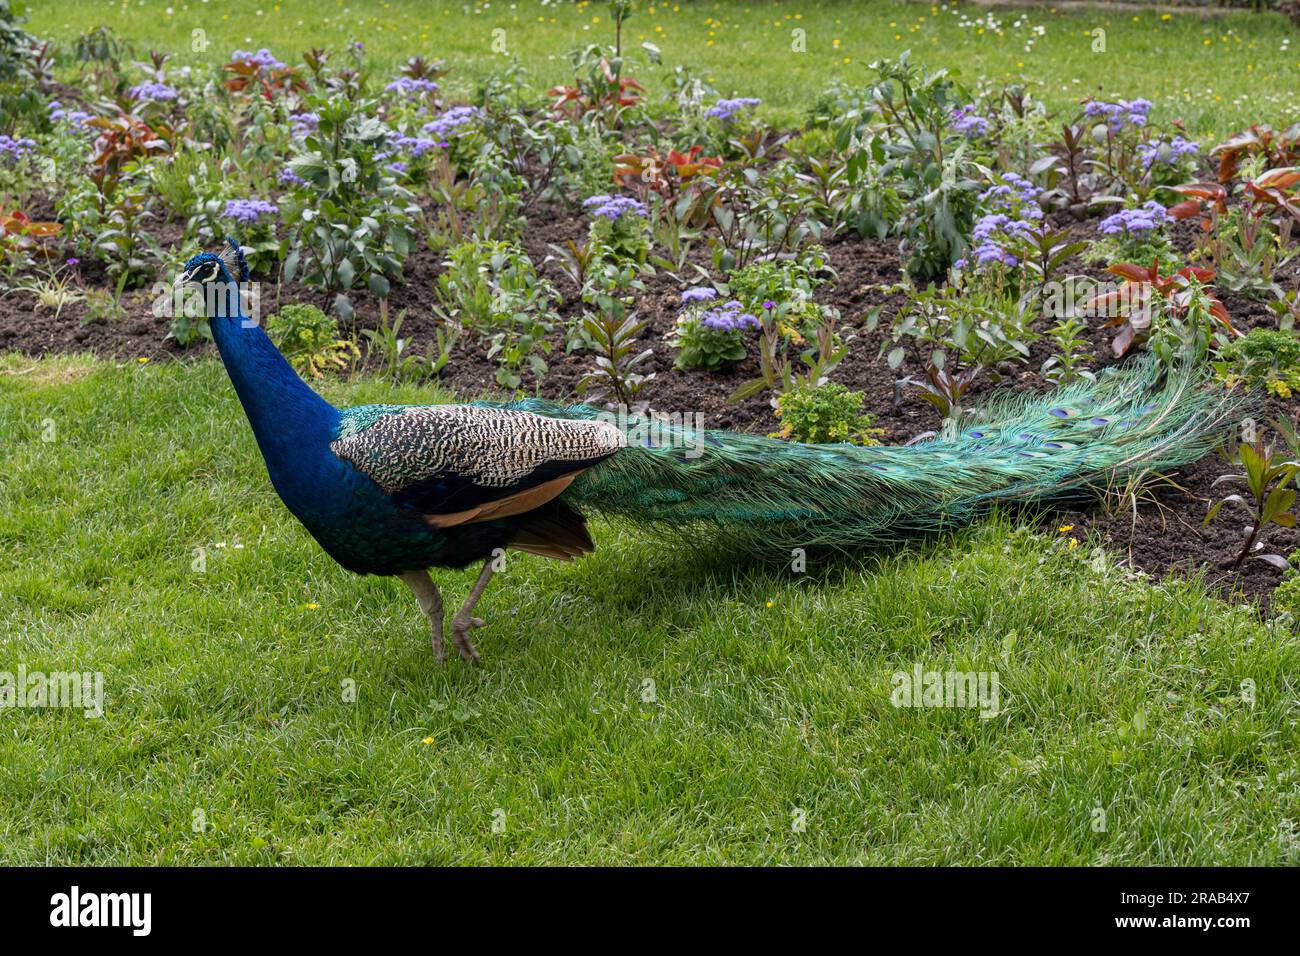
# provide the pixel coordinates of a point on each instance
(769, 493)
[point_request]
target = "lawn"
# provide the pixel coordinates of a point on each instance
(642, 705)
(1211, 72)
(651, 703)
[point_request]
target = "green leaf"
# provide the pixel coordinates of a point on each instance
(346, 273)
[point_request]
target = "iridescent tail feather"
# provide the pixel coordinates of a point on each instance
(1022, 449)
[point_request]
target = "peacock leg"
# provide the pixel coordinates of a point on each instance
(464, 619)
(426, 593)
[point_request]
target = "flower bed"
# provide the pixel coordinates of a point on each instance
(914, 248)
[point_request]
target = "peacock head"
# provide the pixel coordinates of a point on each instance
(216, 269)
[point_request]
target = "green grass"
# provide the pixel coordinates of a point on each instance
(1215, 73)
(772, 690)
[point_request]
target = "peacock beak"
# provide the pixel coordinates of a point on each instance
(186, 278)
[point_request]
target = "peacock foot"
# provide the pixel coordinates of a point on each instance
(430, 600)
(439, 645)
(460, 628)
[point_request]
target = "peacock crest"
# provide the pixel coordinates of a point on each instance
(232, 257)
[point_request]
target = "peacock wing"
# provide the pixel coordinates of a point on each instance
(455, 464)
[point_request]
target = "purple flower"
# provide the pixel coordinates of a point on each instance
(58, 114)
(994, 232)
(1015, 195)
(614, 208)
(965, 121)
(73, 261)
(417, 146)
(410, 86)
(454, 122)
(769, 305)
(1118, 115)
(1146, 218)
(153, 92)
(16, 149)
(730, 317)
(1168, 153)
(249, 211)
(989, 252)
(398, 167)
(699, 294)
(290, 178)
(263, 59)
(304, 123)
(726, 110)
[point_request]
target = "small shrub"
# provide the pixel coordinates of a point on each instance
(825, 414)
(1263, 358)
(310, 340)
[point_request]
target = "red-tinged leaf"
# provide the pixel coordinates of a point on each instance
(1228, 166)
(1220, 312)
(1206, 192)
(1243, 139)
(1123, 341)
(1131, 271)
(1283, 177)
(1185, 209)
(1105, 299)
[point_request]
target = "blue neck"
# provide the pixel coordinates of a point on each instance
(293, 425)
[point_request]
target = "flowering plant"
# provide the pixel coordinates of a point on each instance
(1168, 161)
(351, 222)
(619, 229)
(1264, 359)
(728, 110)
(261, 74)
(783, 290)
(708, 335)
(253, 222)
(1134, 234)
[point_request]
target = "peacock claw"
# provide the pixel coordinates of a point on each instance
(460, 628)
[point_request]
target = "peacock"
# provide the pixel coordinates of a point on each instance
(399, 489)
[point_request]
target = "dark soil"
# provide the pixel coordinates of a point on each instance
(1164, 534)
